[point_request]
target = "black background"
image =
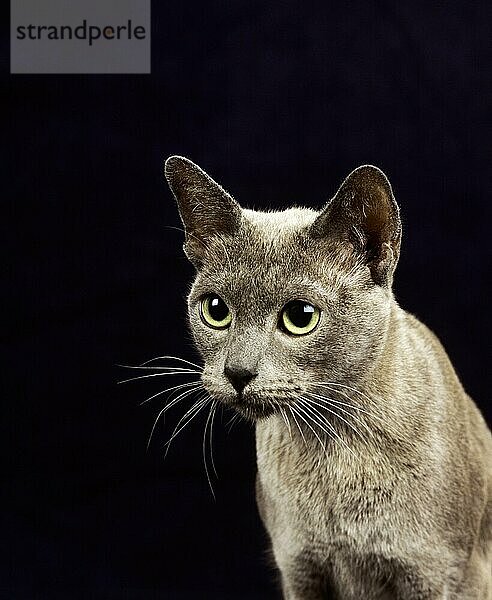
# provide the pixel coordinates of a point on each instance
(278, 102)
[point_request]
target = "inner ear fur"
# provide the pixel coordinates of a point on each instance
(206, 209)
(364, 212)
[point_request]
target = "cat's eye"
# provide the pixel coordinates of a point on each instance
(215, 312)
(299, 317)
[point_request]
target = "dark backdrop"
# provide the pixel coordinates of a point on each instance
(278, 101)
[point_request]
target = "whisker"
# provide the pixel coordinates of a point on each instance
(211, 441)
(176, 369)
(181, 396)
(328, 401)
(173, 358)
(298, 426)
(297, 409)
(190, 372)
(354, 406)
(232, 421)
(167, 407)
(170, 389)
(331, 427)
(190, 414)
(348, 404)
(286, 420)
(347, 387)
(313, 415)
(328, 424)
(204, 450)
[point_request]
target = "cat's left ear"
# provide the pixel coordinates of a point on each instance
(206, 209)
(364, 213)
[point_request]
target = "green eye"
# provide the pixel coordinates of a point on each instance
(299, 317)
(215, 312)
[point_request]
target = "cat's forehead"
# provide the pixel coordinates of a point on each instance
(275, 225)
(270, 258)
(265, 240)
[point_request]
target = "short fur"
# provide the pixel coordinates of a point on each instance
(387, 494)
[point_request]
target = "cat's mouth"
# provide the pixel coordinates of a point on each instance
(253, 406)
(251, 402)
(254, 409)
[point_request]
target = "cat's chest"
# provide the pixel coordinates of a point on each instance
(323, 499)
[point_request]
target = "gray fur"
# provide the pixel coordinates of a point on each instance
(400, 508)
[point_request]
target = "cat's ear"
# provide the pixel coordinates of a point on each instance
(364, 212)
(205, 208)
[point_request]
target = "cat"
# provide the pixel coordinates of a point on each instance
(374, 466)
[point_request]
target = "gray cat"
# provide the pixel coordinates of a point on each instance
(374, 466)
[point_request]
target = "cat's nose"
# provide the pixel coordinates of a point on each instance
(239, 376)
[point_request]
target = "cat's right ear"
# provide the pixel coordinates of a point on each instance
(206, 209)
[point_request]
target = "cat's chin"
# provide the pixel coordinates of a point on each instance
(253, 411)
(251, 407)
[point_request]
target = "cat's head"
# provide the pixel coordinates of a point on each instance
(283, 301)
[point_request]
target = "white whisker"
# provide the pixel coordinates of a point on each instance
(328, 401)
(215, 404)
(322, 422)
(190, 372)
(167, 407)
(190, 414)
(204, 449)
(297, 424)
(175, 369)
(298, 410)
(286, 420)
(347, 387)
(181, 396)
(175, 387)
(348, 404)
(173, 358)
(232, 421)
(351, 404)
